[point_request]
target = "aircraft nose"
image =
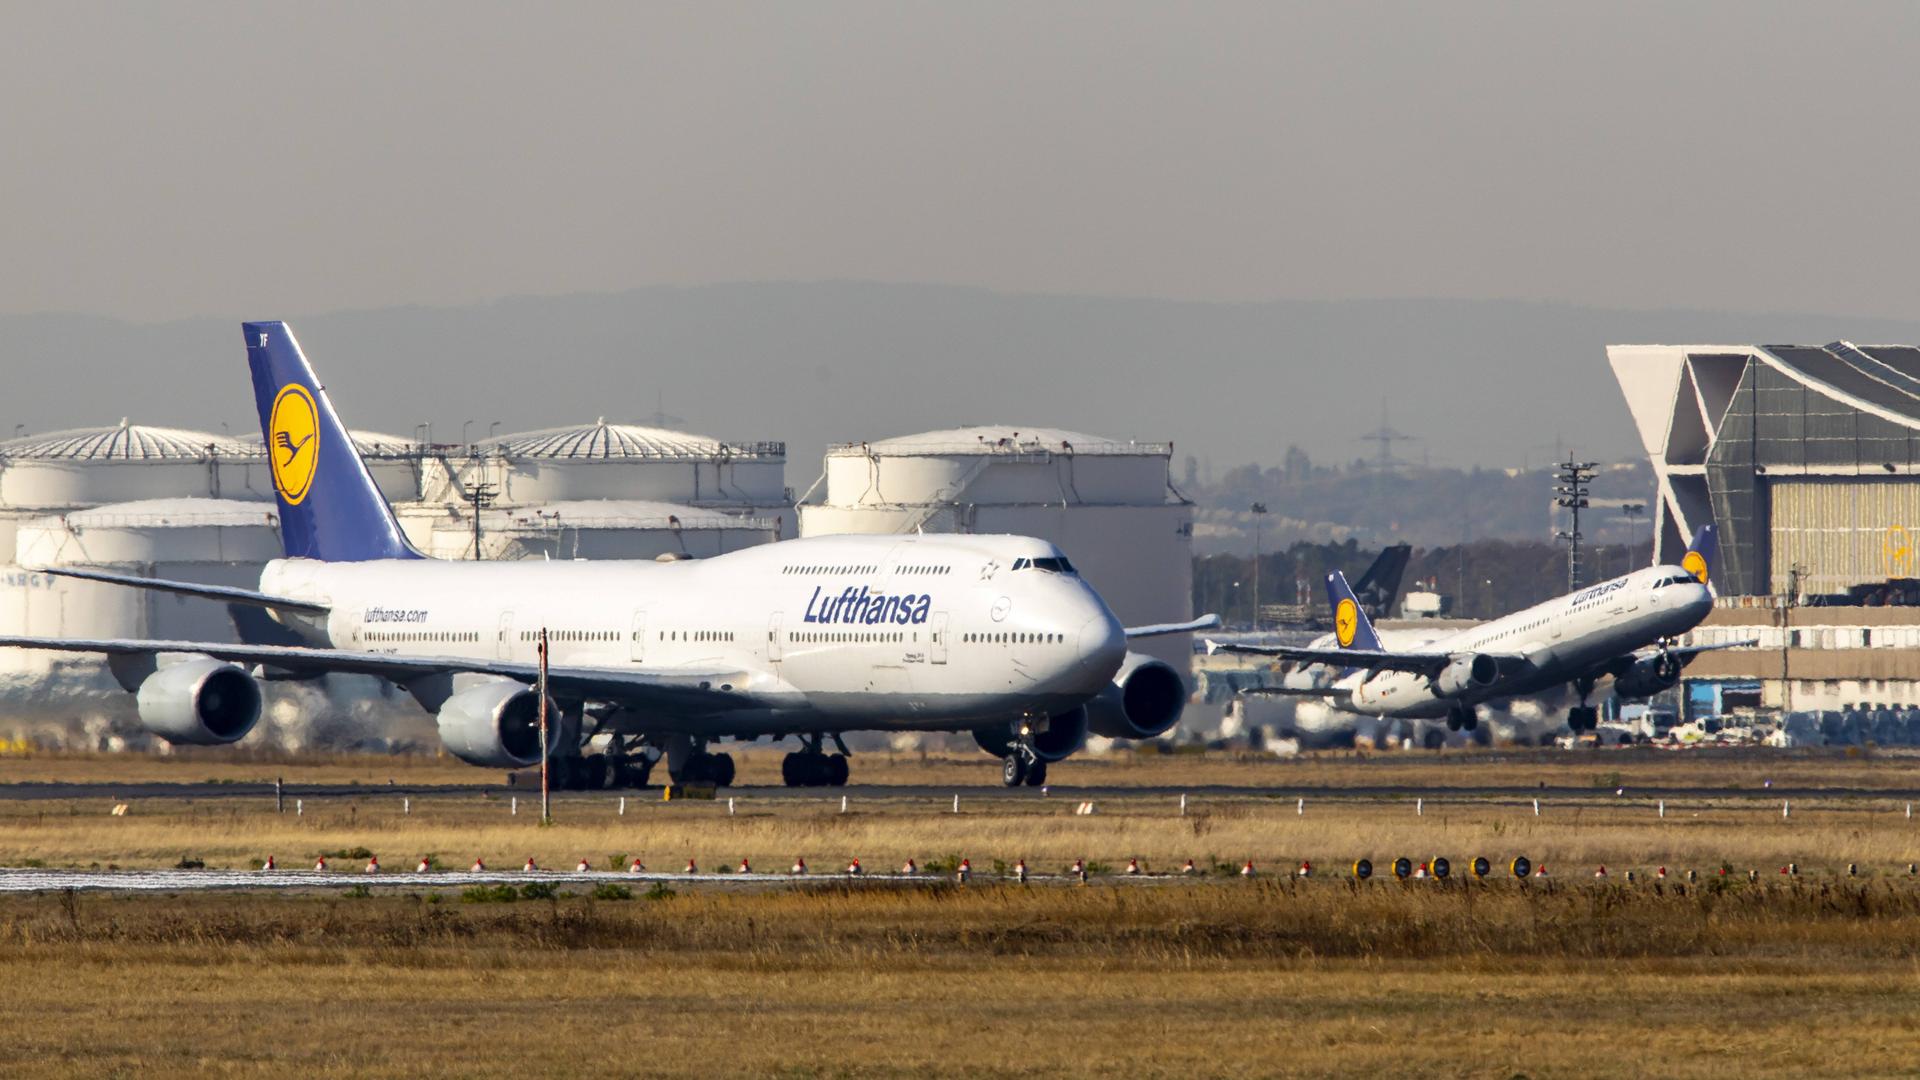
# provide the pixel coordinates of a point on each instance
(1103, 645)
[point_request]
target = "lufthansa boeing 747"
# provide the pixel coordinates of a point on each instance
(993, 635)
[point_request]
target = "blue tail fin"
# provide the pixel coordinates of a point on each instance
(1351, 627)
(1701, 555)
(329, 507)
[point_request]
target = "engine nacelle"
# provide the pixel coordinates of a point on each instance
(1648, 676)
(497, 725)
(203, 702)
(1144, 701)
(1467, 673)
(1066, 733)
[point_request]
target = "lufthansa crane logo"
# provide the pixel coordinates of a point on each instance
(1696, 564)
(1346, 622)
(293, 443)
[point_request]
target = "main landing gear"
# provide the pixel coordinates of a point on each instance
(689, 762)
(1462, 718)
(811, 767)
(1583, 717)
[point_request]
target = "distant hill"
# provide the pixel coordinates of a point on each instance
(1492, 383)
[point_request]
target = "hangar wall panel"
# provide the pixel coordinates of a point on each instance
(1842, 532)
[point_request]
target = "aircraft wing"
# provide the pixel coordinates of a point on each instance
(1423, 663)
(1204, 622)
(226, 593)
(679, 690)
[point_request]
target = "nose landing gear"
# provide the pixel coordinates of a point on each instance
(1022, 766)
(1583, 717)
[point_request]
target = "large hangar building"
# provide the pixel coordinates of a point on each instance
(1110, 505)
(1806, 459)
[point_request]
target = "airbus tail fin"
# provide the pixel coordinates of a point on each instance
(330, 508)
(1351, 627)
(1701, 555)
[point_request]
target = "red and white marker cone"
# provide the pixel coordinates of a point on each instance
(1600, 873)
(691, 868)
(1306, 868)
(1420, 871)
(1020, 870)
(1188, 868)
(268, 865)
(743, 868)
(1079, 867)
(1783, 870)
(1133, 866)
(320, 864)
(799, 866)
(1540, 871)
(853, 868)
(965, 873)
(373, 864)
(909, 868)
(582, 868)
(638, 867)
(530, 867)
(479, 866)
(1661, 873)
(425, 864)
(1247, 870)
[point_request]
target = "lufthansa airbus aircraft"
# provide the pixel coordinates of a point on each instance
(1623, 628)
(995, 635)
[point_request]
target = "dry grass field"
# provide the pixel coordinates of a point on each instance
(1277, 978)
(1572, 834)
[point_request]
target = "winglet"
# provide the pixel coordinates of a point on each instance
(330, 508)
(1351, 627)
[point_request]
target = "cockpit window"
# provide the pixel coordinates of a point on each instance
(1051, 566)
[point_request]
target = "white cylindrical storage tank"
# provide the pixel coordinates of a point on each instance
(1108, 504)
(67, 470)
(601, 529)
(629, 462)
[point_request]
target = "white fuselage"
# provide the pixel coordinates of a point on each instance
(909, 633)
(1562, 639)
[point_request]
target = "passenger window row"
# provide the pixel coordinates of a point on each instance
(1014, 638)
(829, 570)
(418, 635)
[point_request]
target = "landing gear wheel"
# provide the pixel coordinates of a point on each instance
(837, 770)
(1470, 721)
(1454, 720)
(1037, 774)
(593, 772)
(792, 773)
(632, 774)
(1013, 770)
(720, 769)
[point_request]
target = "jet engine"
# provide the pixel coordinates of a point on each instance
(1144, 700)
(1066, 733)
(1475, 671)
(203, 702)
(1648, 676)
(497, 725)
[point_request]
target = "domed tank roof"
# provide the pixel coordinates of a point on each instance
(1003, 439)
(601, 441)
(125, 441)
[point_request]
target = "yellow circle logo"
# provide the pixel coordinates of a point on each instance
(1696, 564)
(1346, 622)
(293, 442)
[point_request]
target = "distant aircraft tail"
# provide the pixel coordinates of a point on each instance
(1702, 555)
(1351, 627)
(1379, 587)
(330, 508)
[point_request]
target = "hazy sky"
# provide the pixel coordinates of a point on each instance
(168, 160)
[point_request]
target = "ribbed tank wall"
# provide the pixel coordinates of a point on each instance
(746, 483)
(864, 480)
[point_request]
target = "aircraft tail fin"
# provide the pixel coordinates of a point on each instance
(1701, 555)
(1351, 627)
(330, 508)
